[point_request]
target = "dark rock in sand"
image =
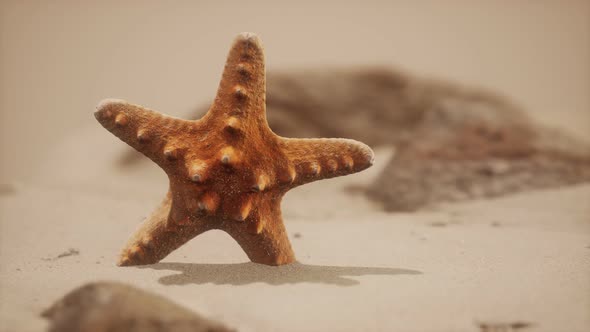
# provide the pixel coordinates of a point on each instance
(452, 142)
(115, 307)
(7, 189)
(69, 252)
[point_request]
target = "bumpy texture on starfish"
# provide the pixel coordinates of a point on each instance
(228, 170)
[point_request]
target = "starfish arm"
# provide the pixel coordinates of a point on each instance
(242, 89)
(156, 237)
(263, 236)
(147, 131)
(320, 158)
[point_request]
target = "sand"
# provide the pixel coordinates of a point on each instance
(519, 258)
(522, 258)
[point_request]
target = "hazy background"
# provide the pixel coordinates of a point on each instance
(60, 58)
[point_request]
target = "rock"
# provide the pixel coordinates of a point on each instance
(453, 143)
(116, 307)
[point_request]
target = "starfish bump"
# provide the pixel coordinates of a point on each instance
(227, 170)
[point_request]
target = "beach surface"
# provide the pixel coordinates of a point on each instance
(522, 258)
(67, 209)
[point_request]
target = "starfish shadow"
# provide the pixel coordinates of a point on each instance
(248, 273)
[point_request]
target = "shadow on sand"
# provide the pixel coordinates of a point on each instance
(248, 273)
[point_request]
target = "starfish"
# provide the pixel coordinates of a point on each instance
(227, 170)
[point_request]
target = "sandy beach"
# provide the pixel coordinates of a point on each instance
(522, 258)
(517, 258)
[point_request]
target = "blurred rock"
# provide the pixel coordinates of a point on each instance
(114, 307)
(452, 142)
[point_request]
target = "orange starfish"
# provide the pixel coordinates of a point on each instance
(228, 170)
